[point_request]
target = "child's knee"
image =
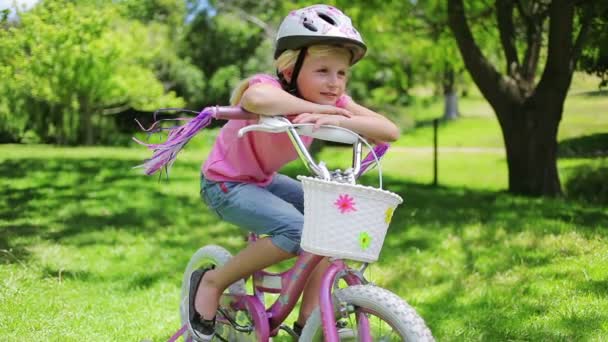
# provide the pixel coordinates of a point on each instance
(289, 236)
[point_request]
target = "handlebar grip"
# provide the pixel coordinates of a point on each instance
(233, 113)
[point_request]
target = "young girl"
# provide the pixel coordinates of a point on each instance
(316, 46)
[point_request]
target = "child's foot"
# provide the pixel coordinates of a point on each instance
(201, 329)
(297, 328)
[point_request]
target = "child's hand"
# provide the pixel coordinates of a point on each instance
(319, 119)
(332, 110)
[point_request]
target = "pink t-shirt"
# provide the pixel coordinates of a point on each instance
(255, 157)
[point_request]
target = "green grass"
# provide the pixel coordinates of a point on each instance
(585, 113)
(90, 249)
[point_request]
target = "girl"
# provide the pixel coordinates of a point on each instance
(315, 47)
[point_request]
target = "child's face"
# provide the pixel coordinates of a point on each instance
(323, 79)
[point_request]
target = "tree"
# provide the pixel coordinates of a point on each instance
(433, 50)
(220, 46)
(409, 44)
(594, 58)
(529, 112)
(65, 64)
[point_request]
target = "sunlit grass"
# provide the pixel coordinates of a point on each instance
(585, 113)
(90, 249)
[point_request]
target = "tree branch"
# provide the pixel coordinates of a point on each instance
(484, 74)
(534, 39)
(115, 110)
(582, 35)
(504, 17)
(523, 13)
(559, 67)
(534, 18)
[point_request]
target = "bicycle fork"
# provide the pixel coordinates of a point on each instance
(326, 304)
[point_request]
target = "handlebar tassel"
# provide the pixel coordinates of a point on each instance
(164, 154)
(379, 150)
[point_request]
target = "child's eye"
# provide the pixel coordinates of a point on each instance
(322, 70)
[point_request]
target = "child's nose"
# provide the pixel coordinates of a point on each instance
(334, 80)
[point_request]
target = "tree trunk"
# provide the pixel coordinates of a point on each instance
(529, 115)
(450, 110)
(86, 124)
(531, 146)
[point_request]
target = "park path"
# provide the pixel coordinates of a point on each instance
(429, 149)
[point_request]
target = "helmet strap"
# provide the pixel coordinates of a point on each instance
(292, 86)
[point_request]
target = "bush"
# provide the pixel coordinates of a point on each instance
(589, 183)
(30, 137)
(593, 145)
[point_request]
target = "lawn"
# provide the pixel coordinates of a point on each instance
(585, 113)
(92, 250)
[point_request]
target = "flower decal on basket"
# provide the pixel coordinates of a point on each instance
(345, 203)
(389, 215)
(365, 240)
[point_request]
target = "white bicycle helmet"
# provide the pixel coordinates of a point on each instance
(319, 24)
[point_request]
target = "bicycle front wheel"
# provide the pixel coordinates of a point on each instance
(390, 317)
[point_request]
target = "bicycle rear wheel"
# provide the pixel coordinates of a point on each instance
(214, 256)
(390, 318)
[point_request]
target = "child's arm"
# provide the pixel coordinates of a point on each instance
(267, 99)
(364, 121)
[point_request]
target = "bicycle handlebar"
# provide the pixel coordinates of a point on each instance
(232, 113)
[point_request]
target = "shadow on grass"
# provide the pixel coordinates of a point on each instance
(499, 216)
(481, 230)
(593, 93)
(100, 201)
(73, 201)
(593, 146)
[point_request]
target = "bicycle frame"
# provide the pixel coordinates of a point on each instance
(267, 321)
(290, 284)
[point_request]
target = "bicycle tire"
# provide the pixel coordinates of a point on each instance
(205, 256)
(372, 300)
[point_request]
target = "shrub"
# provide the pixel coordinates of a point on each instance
(589, 183)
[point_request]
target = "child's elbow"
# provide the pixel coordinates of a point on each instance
(393, 134)
(254, 100)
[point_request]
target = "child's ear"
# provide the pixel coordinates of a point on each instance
(287, 74)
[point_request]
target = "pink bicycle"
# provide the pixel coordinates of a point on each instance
(343, 221)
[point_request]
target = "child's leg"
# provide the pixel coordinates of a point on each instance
(310, 299)
(258, 255)
(265, 211)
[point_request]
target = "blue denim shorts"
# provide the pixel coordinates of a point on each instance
(275, 210)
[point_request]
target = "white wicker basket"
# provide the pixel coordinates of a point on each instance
(344, 220)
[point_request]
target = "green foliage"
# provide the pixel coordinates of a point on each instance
(170, 12)
(594, 58)
(588, 183)
(65, 64)
(220, 46)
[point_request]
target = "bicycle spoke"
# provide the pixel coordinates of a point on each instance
(379, 329)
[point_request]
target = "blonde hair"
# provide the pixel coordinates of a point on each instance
(287, 60)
